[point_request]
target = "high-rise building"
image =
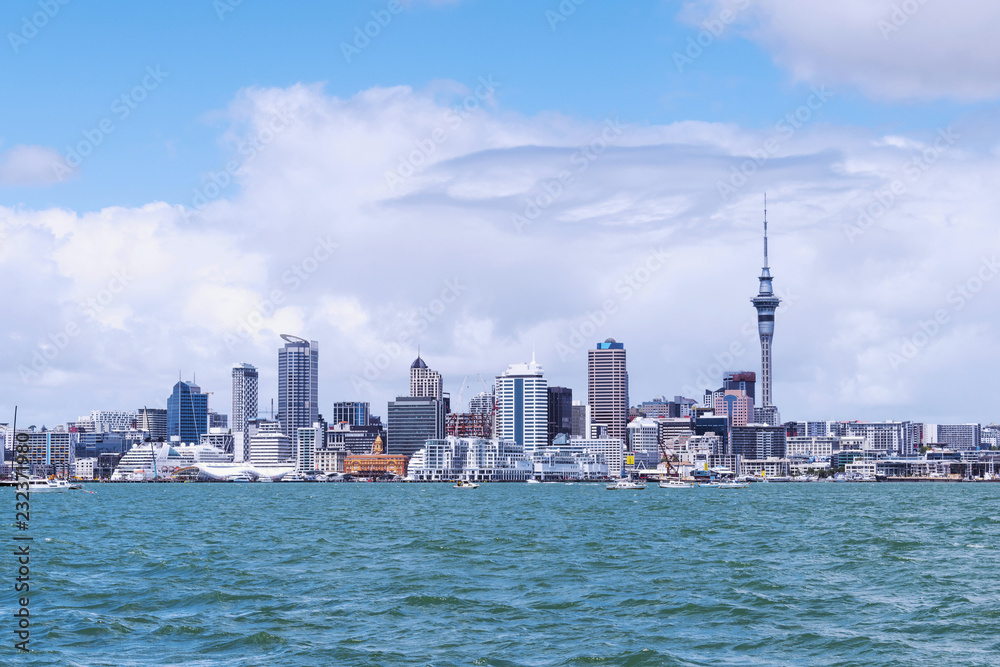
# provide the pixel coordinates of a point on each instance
(112, 420)
(560, 409)
(424, 381)
(217, 420)
(522, 406)
(187, 412)
(758, 441)
(607, 387)
(245, 393)
(153, 421)
(269, 446)
(717, 424)
(482, 403)
(307, 441)
(298, 384)
(735, 404)
(741, 381)
(644, 442)
(766, 303)
(355, 413)
(412, 420)
(581, 420)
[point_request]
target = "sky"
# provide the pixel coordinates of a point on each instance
(181, 183)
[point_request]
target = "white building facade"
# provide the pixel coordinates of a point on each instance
(522, 406)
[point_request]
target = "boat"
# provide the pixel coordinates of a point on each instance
(626, 484)
(675, 484)
(41, 484)
(534, 481)
(725, 485)
(242, 477)
(294, 477)
(462, 484)
(265, 479)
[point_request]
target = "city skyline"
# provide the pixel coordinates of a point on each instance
(620, 199)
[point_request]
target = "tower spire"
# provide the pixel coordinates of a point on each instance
(765, 231)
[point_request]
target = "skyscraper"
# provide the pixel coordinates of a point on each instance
(766, 303)
(522, 406)
(607, 387)
(355, 413)
(560, 410)
(245, 393)
(413, 420)
(298, 384)
(424, 381)
(187, 412)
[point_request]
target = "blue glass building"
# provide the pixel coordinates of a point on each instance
(187, 412)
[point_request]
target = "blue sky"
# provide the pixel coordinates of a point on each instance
(895, 82)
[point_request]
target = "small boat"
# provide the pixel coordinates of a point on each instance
(534, 481)
(265, 479)
(242, 477)
(675, 484)
(42, 485)
(725, 485)
(462, 484)
(625, 484)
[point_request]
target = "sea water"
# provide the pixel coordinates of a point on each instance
(511, 574)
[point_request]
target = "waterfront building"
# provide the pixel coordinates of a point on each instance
(957, 437)
(522, 406)
(471, 459)
(758, 441)
(298, 384)
(49, 452)
(612, 451)
(219, 438)
(105, 421)
(153, 421)
(91, 445)
(83, 468)
(989, 437)
(766, 303)
(376, 463)
(187, 412)
(818, 447)
(330, 459)
(889, 437)
(564, 460)
(269, 446)
(412, 420)
(644, 442)
(769, 467)
(607, 387)
(424, 382)
(560, 412)
(352, 413)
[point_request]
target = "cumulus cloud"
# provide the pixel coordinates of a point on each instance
(889, 49)
(33, 165)
(398, 218)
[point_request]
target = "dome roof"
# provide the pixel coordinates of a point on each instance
(418, 363)
(610, 340)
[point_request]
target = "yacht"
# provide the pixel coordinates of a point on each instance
(462, 484)
(294, 477)
(534, 481)
(41, 484)
(675, 484)
(242, 477)
(721, 484)
(626, 484)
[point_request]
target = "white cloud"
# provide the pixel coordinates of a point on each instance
(313, 241)
(33, 165)
(890, 49)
